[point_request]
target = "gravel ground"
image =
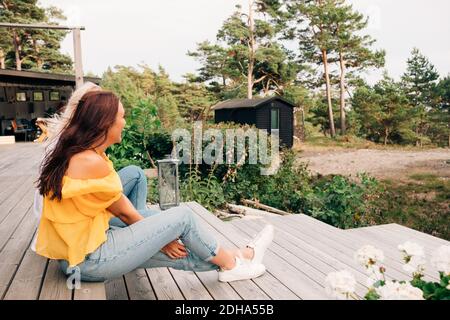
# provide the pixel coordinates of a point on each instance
(379, 163)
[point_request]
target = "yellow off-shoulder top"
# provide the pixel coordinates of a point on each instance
(76, 226)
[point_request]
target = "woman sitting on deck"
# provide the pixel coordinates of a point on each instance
(96, 219)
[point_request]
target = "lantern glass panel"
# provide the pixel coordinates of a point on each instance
(168, 183)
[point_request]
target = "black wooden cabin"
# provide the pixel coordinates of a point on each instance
(27, 95)
(272, 113)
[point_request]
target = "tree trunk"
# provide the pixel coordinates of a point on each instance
(251, 51)
(386, 134)
(328, 88)
(17, 50)
(342, 88)
(39, 61)
(2, 59)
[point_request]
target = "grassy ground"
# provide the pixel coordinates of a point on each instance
(422, 203)
(353, 142)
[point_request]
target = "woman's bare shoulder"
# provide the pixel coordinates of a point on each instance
(87, 165)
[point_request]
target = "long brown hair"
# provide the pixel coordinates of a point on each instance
(87, 129)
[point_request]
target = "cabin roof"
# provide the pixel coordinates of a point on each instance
(29, 75)
(247, 103)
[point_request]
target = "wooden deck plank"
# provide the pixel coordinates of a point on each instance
(382, 237)
(22, 193)
(322, 257)
(388, 237)
(90, 291)
(138, 284)
(27, 281)
(346, 244)
(416, 234)
(16, 153)
(164, 285)
(190, 285)
(23, 162)
(249, 289)
(9, 185)
(116, 289)
(55, 284)
(12, 253)
(355, 241)
(298, 259)
(218, 290)
(13, 220)
(328, 244)
(288, 275)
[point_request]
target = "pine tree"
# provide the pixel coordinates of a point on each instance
(440, 113)
(383, 112)
(311, 25)
(34, 49)
(419, 82)
(354, 52)
(247, 51)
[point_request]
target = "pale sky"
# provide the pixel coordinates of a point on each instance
(161, 32)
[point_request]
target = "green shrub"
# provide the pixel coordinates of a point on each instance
(343, 203)
(287, 189)
(141, 122)
(208, 192)
(159, 144)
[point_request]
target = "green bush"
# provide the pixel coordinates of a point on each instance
(287, 189)
(142, 121)
(341, 202)
(208, 192)
(159, 144)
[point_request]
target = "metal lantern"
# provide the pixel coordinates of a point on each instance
(168, 185)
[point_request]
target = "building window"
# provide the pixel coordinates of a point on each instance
(54, 96)
(274, 119)
(38, 96)
(21, 96)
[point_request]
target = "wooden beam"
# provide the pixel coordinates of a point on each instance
(37, 26)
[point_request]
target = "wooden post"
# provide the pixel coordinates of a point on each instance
(77, 57)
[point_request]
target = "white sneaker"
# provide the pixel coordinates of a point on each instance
(261, 242)
(242, 271)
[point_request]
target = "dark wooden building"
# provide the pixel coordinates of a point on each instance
(26, 95)
(272, 113)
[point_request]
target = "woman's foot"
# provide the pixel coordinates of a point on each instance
(242, 270)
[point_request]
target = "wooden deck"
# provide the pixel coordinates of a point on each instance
(303, 252)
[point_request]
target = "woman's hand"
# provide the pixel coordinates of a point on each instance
(175, 250)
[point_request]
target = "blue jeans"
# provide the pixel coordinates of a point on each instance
(138, 245)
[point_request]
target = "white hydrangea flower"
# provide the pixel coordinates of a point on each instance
(414, 257)
(441, 259)
(369, 255)
(374, 274)
(416, 265)
(411, 249)
(399, 291)
(340, 284)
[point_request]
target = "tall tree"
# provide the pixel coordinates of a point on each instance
(247, 50)
(383, 112)
(193, 99)
(440, 113)
(354, 50)
(419, 83)
(311, 24)
(32, 48)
